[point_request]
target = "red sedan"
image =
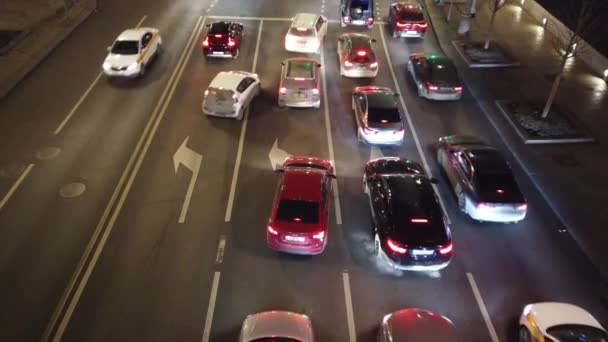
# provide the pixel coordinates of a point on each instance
(407, 20)
(299, 216)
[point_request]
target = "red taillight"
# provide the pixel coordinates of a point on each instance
(402, 24)
(370, 20)
(315, 91)
(395, 247)
(346, 19)
(272, 231)
(399, 131)
(422, 26)
(373, 65)
(206, 42)
(446, 250)
(231, 42)
(218, 36)
(301, 29)
(482, 206)
(431, 87)
(235, 97)
(419, 220)
(319, 236)
(283, 91)
(348, 64)
(369, 131)
(500, 191)
(361, 53)
(522, 207)
(458, 89)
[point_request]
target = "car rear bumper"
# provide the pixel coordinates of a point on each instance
(219, 53)
(421, 267)
(491, 215)
(356, 22)
(300, 104)
(122, 73)
(302, 48)
(292, 248)
(410, 34)
(356, 72)
(230, 115)
(377, 139)
(443, 96)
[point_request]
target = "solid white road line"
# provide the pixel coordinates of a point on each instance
(350, 318)
(158, 115)
(15, 185)
(211, 307)
(409, 121)
(86, 93)
(239, 151)
(330, 141)
(482, 307)
(221, 246)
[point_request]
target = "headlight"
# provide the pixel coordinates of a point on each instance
(106, 65)
(133, 66)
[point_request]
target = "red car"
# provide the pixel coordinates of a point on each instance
(299, 217)
(407, 20)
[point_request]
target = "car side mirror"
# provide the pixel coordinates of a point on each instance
(434, 180)
(279, 170)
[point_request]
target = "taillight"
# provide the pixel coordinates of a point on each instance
(399, 131)
(431, 87)
(206, 92)
(522, 207)
(299, 78)
(369, 131)
(446, 250)
(235, 97)
(482, 206)
(419, 220)
(301, 29)
(315, 91)
(283, 91)
(319, 236)
(370, 20)
(272, 230)
(402, 24)
(373, 65)
(348, 64)
(395, 247)
(218, 36)
(231, 42)
(346, 19)
(206, 42)
(422, 26)
(361, 53)
(458, 89)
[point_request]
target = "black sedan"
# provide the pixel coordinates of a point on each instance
(409, 228)
(482, 180)
(435, 76)
(223, 39)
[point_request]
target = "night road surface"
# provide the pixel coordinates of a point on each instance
(117, 264)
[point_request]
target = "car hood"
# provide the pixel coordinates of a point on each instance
(277, 323)
(119, 61)
(550, 314)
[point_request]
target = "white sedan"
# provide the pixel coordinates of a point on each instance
(557, 322)
(131, 52)
(230, 93)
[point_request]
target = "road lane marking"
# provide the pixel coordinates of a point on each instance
(239, 151)
(211, 307)
(228, 17)
(192, 161)
(330, 141)
(411, 123)
(350, 318)
(86, 93)
(482, 308)
(61, 307)
(221, 246)
(15, 185)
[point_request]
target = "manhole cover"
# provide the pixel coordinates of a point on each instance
(72, 190)
(565, 159)
(48, 153)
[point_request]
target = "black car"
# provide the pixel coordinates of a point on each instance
(481, 179)
(357, 13)
(435, 76)
(409, 228)
(223, 39)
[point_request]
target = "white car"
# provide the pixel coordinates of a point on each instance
(277, 326)
(132, 51)
(230, 93)
(555, 322)
(299, 85)
(306, 33)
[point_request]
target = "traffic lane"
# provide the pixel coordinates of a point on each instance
(465, 117)
(268, 8)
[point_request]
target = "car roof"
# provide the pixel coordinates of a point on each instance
(134, 34)
(408, 7)
(302, 183)
(306, 20)
(359, 40)
(228, 79)
(220, 27)
(419, 325)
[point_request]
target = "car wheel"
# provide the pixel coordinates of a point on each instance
(462, 202)
(524, 334)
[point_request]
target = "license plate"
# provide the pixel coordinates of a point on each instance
(218, 52)
(422, 252)
(412, 32)
(294, 238)
(358, 22)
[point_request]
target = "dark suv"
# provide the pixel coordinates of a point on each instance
(357, 12)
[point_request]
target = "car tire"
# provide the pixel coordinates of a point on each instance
(524, 334)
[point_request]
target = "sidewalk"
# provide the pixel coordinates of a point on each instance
(48, 25)
(571, 177)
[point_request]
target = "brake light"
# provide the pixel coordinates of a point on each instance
(218, 36)
(319, 236)
(315, 91)
(522, 207)
(373, 65)
(395, 247)
(299, 78)
(482, 206)
(206, 92)
(431, 87)
(231, 42)
(458, 89)
(423, 25)
(283, 91)
(361, 53)
(419, 220)
(446, 250)
(301, 29)
(369, 131)
(402, 24)
(206, 42)
(370, 20)
(348, 64)
(346, 19)
(500, 191)
(272, 231)
(297, 219)
(235, 97)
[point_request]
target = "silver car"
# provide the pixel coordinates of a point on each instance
(275, 325)
(435, 76)
(377, 115)
(299, 85)
(416, 325)
(356, 56)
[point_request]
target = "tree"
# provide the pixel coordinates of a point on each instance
(581, 18)
(495, 6)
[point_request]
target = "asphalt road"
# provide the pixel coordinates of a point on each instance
(116, 263)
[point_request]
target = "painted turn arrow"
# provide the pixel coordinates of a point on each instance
(192, 161)
(277, 156)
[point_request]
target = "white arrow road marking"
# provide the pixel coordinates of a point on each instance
(375, 153)
(277, 156)
(191, 160)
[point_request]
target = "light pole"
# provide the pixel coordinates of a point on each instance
(465, 22)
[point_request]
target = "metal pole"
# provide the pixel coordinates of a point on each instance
(465, 22)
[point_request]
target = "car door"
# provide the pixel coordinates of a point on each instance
(146, 46)
(245, 89)
(360, 111)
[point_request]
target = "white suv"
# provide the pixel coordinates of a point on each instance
(306, 33)
(230, 93)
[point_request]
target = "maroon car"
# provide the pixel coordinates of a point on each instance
(299, 216)
(223, 39)
(407, 20)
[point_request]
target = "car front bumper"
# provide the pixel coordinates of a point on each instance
(122, 73)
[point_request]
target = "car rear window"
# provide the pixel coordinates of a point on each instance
(298, 211)
(300, 69)
(362, 4)
(411, 16)
(220, 95)
(383, 115)
(444, 72)
(498, 186)
(126, 47)
(301, 32)
(219, 28)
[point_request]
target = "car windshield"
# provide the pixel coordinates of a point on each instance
(411, 16)
(298, 211)
(362, 4)
(275, 339)
(125, 47)
(300, 69)
(577, 333)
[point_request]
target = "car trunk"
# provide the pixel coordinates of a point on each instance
(384, 119)
(218, 41)
(299, 90)
(219, 101)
